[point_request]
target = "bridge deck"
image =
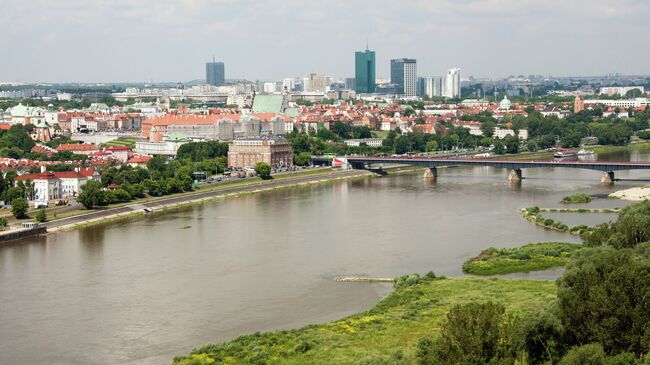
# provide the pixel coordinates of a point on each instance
(606, 166)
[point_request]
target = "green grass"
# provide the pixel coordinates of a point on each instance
(122, 141)
(396, 323)
(531, 257)
(576, 199)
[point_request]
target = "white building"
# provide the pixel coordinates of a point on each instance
(452, 83)
(269, 87)
(623, 103)
(433, 86)
(370, 142)
(620, 90)
(50, 185)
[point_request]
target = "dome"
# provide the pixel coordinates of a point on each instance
(505, 104)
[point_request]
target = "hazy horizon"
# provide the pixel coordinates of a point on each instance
(121, 41)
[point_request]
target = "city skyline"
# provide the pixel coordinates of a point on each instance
(170, 41)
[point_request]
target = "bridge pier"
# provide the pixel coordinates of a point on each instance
(515, 175)
(608, 178)
(431, 173)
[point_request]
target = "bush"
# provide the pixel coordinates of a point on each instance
(263, 170)
(474, 333)
(548, 222)
(41, 216)
(4, 222)
(543, 338)
(591, 354)
(19, 208)
(576, 198)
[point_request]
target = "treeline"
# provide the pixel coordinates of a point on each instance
(194, 160)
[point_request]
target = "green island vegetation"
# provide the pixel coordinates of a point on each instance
(533, 214)
(595, 313)
(531, 257)
(576, 199)
(580, 210)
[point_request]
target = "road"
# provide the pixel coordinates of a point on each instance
(175, 199)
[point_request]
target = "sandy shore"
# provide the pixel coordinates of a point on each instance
(635, 194)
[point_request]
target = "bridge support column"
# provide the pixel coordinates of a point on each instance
(515, 175)
(608, 178)
(431, 173)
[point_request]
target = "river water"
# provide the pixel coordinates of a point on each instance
(143, 290)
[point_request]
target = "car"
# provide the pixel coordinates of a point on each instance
(39, 205)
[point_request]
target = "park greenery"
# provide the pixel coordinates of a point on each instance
(576, 199)
(41, 215)
(194, 161)
(530, 257)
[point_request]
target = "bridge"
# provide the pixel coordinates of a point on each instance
(515, 166)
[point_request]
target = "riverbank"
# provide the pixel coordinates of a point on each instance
(83, 218)
(399, 321)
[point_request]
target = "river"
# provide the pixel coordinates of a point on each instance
(143, 290)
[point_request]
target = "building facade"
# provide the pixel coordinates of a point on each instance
(247, 152)
(404, 75)
(364, 72)
(452, 83)
(215, 73)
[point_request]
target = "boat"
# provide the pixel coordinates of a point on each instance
(584, 152)
(565, 153)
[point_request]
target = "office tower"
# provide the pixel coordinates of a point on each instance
(430, 86)
(364, 71)
(350, 83)
(452, 83)
(215, 73)
(315, 83)
(404, 75)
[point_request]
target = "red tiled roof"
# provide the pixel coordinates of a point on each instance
(77, 147)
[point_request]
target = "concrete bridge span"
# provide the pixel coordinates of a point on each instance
(515, 166)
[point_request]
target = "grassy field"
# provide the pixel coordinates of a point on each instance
(396, 323)
(531, 257)
(122, 141)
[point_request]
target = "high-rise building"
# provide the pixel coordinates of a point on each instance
(404, 75)
(430, 86)
(364, 71)
(316, 83)
(215, 73)
(452, 83)
(350, 83)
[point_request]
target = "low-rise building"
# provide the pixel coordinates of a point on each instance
(370, 142)
(247, 152)
(50, 185)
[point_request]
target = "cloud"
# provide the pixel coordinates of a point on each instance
(72, 40)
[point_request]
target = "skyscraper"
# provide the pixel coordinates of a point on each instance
(364, 71)
(432, 86)
(403, 74)
(452, 83)
(215, 73)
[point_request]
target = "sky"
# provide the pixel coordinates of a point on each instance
(170, 40)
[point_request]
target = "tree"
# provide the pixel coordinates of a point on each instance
(602, 297)
(92, 195)
(591, 354)
(157, 163)
(543, 337)
(432, 145)
(41, 216)
(499, 148)
(19, 208)
(511, 144)
(487, 128)
(302, 158)
(474, 333)
(263, 170)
